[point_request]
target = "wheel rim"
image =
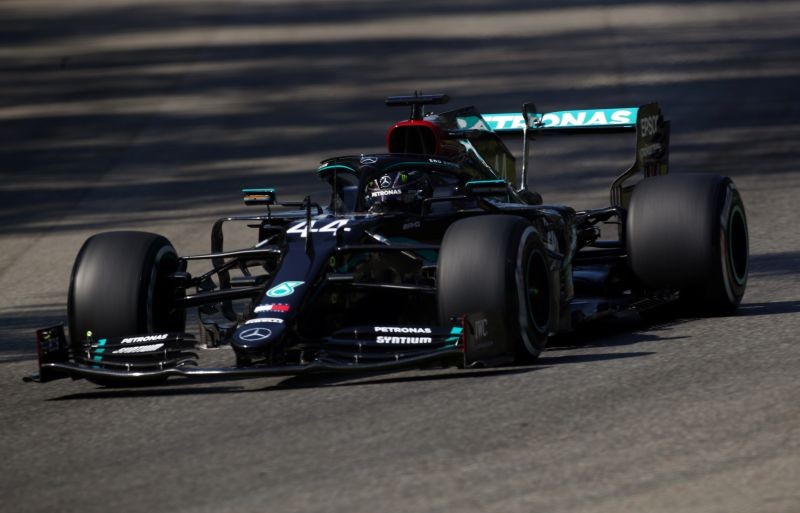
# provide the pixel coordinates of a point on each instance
(537, 291)
(737, 245)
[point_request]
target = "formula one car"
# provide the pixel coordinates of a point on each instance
(432, 254)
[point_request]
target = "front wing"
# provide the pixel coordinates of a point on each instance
(448, 357)
(151, 358)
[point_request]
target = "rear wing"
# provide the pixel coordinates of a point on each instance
(652, 136)
(566, 121)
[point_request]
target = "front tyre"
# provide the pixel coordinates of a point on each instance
(689, 233)
(120, 286)
(496, 266)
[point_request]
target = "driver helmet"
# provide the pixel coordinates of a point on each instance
(398, 191)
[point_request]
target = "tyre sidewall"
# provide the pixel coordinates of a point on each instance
(482, 274)
(532, 321)
(688, 233)
(118, 286)
(728, 277)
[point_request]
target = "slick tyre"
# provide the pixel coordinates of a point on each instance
(119, 287)
(496, 267)
(689, 233)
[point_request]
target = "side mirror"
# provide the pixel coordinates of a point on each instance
(259, 196)
(486, 187)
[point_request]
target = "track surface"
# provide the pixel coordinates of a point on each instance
(153, 114)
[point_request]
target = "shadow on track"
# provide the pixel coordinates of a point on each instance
(626, 330)
(773, 308)
(161, 391)
(587, 358)
(775, 264)
(296, 382)
(139, 88)
(179, 388)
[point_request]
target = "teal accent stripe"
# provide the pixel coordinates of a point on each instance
(456, 332)
(245, 191)
(336, 166)
(100, 350)
(485, 182)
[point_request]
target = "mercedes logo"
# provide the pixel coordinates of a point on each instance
(385, 181)
(369, 160)
(254, 334)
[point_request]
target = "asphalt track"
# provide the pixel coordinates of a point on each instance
(153, 114)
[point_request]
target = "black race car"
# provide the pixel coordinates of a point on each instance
(432, 254)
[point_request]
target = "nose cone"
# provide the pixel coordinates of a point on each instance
(256, 337)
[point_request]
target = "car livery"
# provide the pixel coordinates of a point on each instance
(434, 253)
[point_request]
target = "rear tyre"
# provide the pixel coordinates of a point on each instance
(496, 266)
(120, 286)
(689, 233)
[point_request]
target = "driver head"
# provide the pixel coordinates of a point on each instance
(401, 191)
